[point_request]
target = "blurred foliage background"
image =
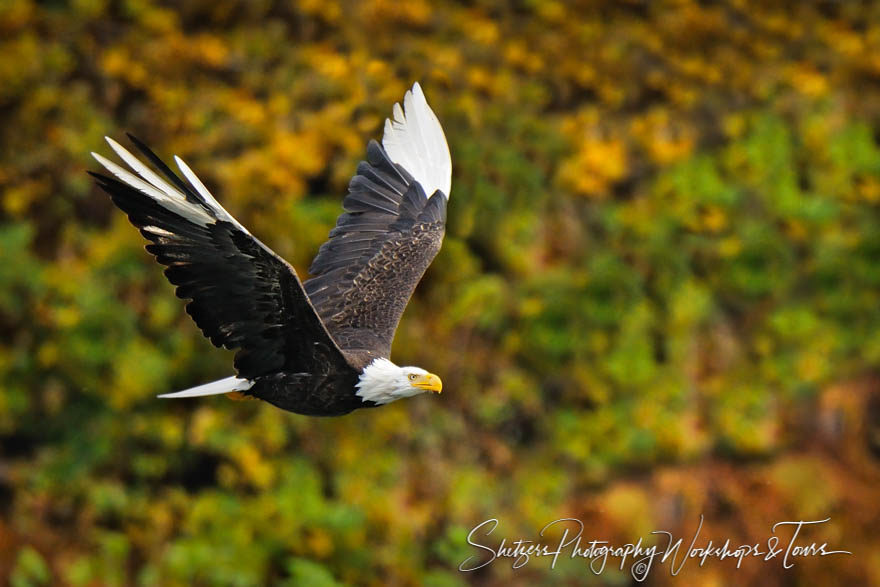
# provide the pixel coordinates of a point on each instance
(658, 296)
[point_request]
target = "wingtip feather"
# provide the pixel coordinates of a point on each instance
(414, 139)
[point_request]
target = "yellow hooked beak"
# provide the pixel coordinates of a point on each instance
(429, 382)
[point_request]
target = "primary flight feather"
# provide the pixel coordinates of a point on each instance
(319, 347)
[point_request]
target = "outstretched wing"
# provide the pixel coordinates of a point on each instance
(393, 226)
(243, 296)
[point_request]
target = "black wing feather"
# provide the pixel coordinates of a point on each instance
(364, 275)
(243, 296)
(167, 172)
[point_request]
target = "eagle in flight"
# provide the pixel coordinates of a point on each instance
(319, 347)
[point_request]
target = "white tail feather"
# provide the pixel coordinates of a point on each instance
(214, 388)
(414, 140)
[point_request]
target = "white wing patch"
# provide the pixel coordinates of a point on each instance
(203, 191)
(414, 140)
(168, 196)
(156, 230)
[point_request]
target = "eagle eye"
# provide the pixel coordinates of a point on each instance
(412, 376)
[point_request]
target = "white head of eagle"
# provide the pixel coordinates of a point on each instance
(382, 382)
(318, 347)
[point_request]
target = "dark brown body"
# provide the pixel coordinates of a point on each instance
(322, 394)
(332, 394)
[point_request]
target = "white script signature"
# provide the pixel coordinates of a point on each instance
(640, 557)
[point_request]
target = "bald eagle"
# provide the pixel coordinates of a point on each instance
(319, 347)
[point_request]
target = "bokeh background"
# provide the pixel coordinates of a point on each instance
(658, 296)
